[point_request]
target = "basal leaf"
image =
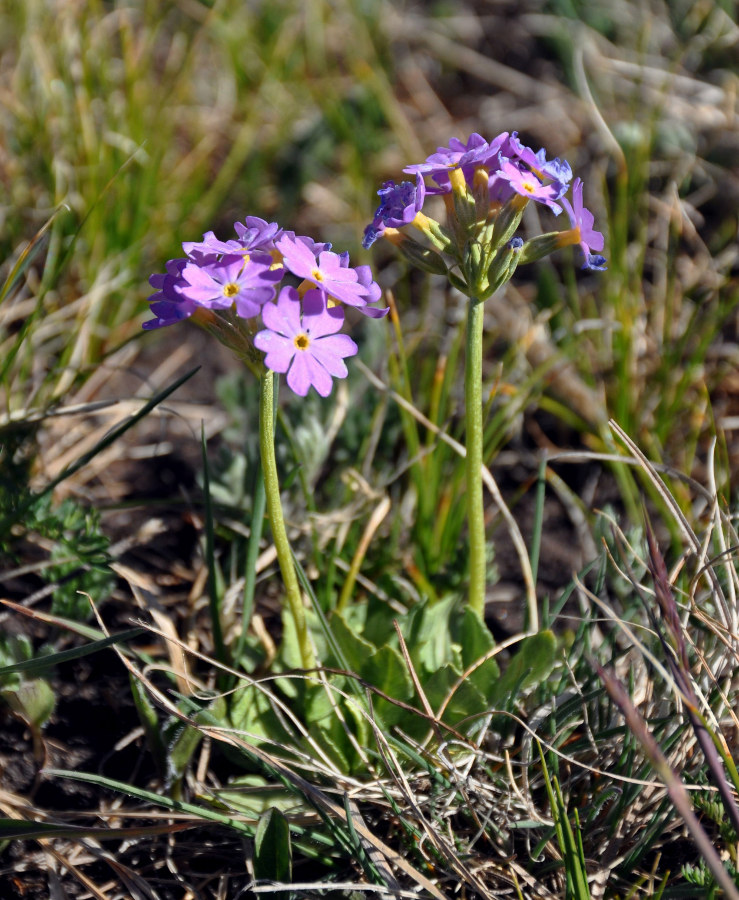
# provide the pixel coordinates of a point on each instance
(273, 851)
(475, 642)
(532, 663)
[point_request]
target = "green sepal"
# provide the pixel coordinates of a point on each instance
(423, 258)
(541, 246)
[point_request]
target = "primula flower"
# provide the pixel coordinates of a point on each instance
(528, 185)
(476, 153)
(305, 346)
(167, 304)
(232, 281)
(255, 234)
(556, 169)
(400, 205)
(581, 220)
(325, 269)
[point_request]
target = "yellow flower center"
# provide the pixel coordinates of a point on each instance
(529, 186)
(230, 289)
(317, 275)
(301, 341)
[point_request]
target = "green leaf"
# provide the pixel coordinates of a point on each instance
(476, 641)
(34, 700)
(354, 649)
(429, 636)
(42, 663)
(334, 732)
(273, 851)
(466, 701)
(251, 711)
(386, 670)
(532, 663)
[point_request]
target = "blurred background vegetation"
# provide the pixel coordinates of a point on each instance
(134, 126)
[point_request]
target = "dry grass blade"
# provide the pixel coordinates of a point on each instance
(679, 517)
(674, 785)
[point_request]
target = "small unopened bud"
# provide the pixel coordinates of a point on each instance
(423, 258)
(431, 229)
(542, 245)
(508, 219)
(504, 264)
(464, 202)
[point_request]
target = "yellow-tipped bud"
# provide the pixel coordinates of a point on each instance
(481, 193)
(395, 236)
(457, 179)
(569, 237)
(204, 317)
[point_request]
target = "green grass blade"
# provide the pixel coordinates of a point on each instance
(202, 812)
(21, 830)
(43, 663)
(214, 593)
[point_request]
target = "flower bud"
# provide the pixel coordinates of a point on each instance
(423, 257)
(508, 219)
(504, 265)
(464, 203)
(541, 246)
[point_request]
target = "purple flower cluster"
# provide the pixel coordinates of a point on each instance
(511, 169)
(242, 277)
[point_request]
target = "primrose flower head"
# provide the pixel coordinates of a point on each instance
(301, 339)
(228, 288)
(325, 270)
(231, 281)
(485, 186)
(526, 184)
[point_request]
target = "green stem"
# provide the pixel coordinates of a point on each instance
(473, 462)
(276, 519)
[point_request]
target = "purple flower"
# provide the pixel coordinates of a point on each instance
(476, 153)
(374, 292)
(528, 185)
(400, 203)
(232, 281)
(582, 219)
(167, 304)
(305, 346)
(256, 234)
(558, 170)
(325, 269)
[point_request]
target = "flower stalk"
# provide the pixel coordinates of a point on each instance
(276, 518)
(485, 187)
(474, 458)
